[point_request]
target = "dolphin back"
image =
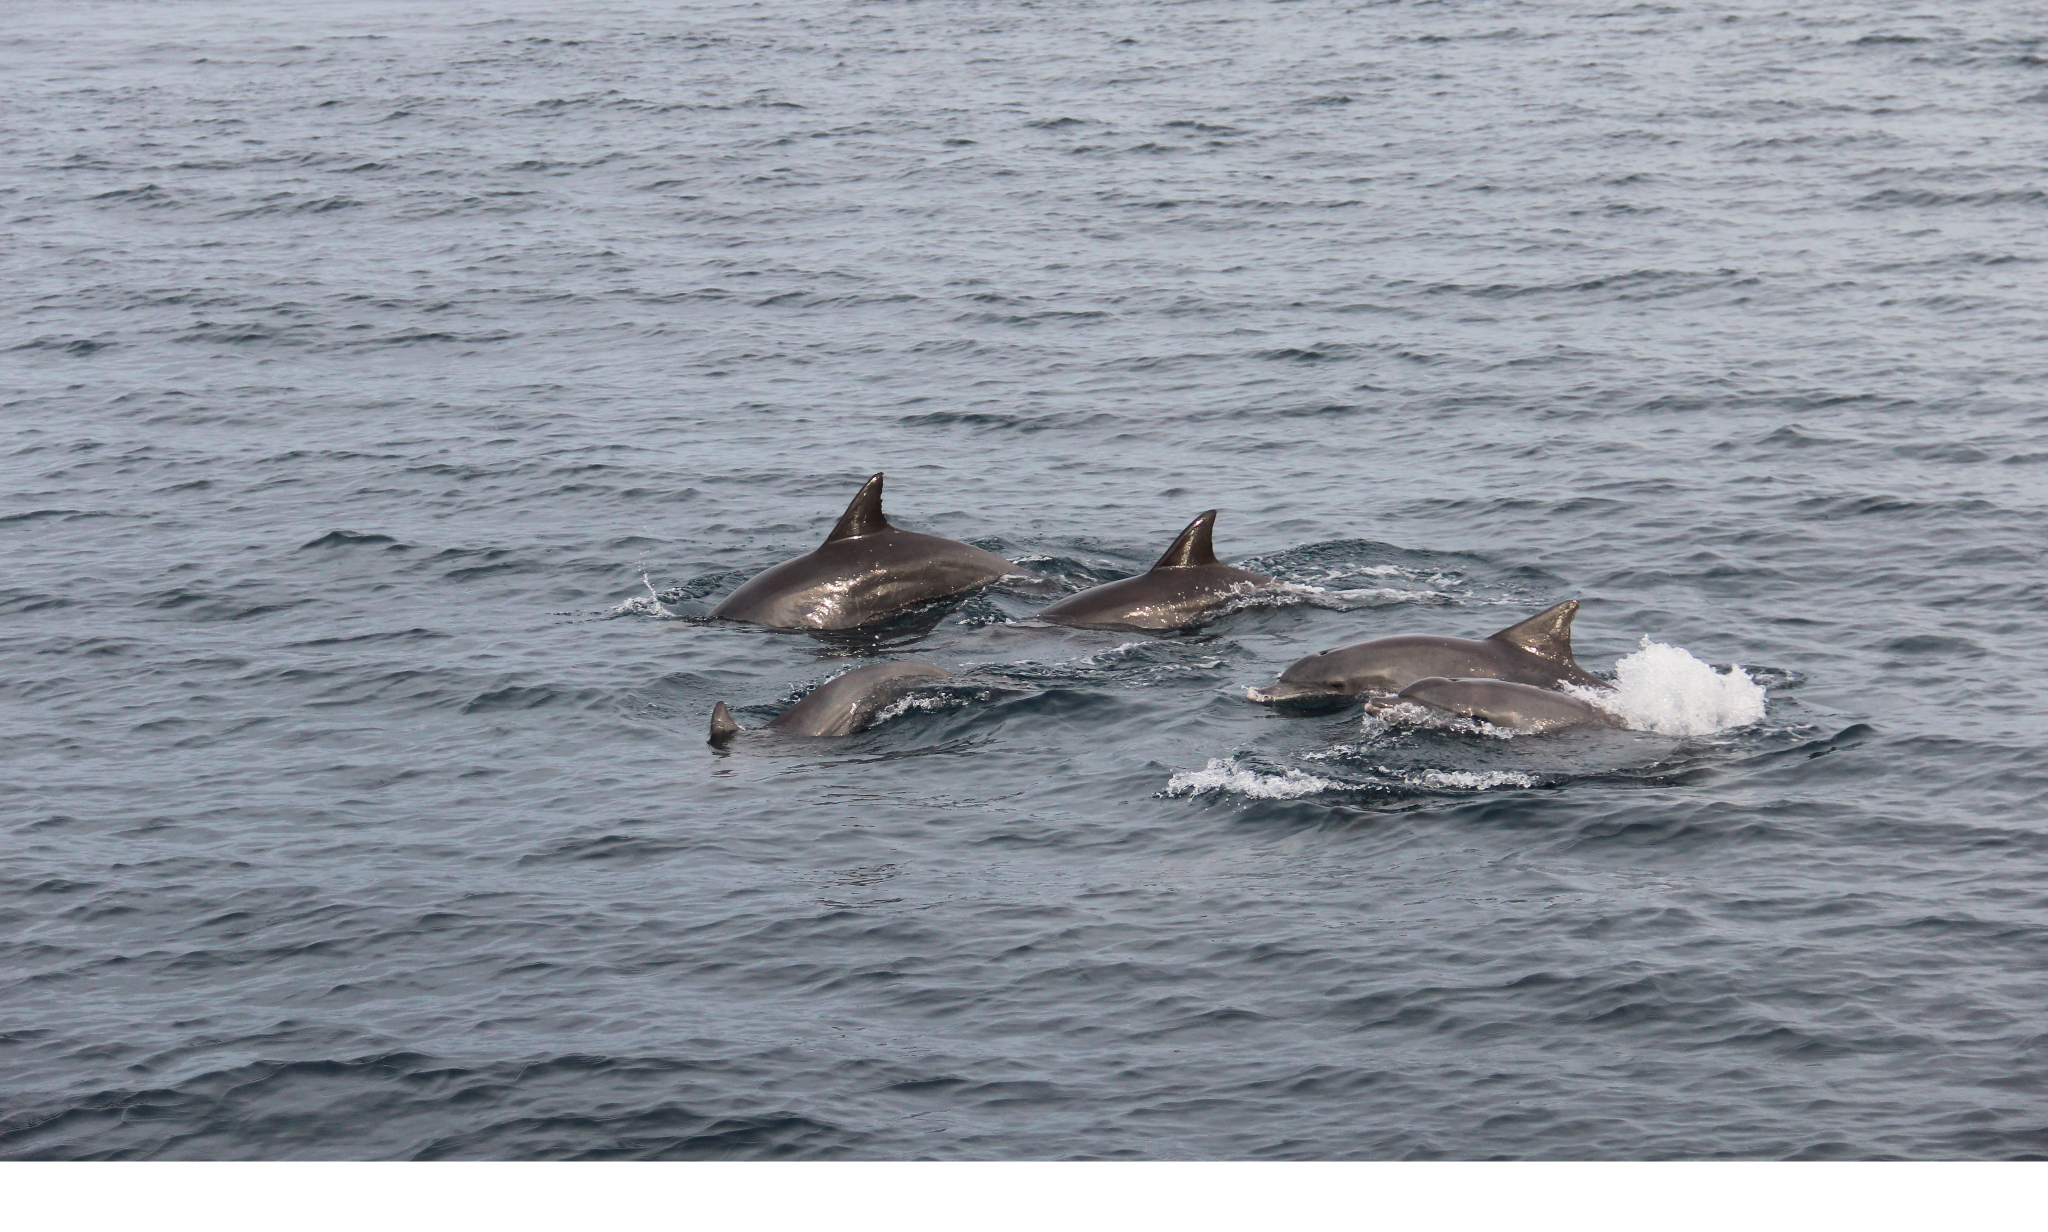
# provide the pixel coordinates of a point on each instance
(849, 702)
(1503, 703)
(1185, 587)
(866, 572)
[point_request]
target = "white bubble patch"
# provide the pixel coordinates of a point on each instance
(1223, 774)
(1664, 689)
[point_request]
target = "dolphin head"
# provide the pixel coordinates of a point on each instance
(1319, 678)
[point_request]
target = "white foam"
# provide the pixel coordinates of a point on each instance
(1664, 689)
(1223, 774)
(1468, 780)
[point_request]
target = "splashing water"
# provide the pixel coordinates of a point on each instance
(1225, 775)
(927, 702)
(1664, 689)
(648, 605)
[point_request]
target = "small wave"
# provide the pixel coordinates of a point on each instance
(1296, 594)
(1664, 689)
(1223, 774)
(348, 539)
(1033, 667)
(1103, 658)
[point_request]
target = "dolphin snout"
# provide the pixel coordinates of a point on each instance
(1287, 691)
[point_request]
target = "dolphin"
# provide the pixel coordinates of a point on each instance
(1185, 588)
(1503, 703)
(1537, 652)
(865, 572)
(841, 706)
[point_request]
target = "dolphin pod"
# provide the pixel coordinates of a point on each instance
(1537, 652)
(869, 572)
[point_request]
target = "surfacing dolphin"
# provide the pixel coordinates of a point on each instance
(1503, 703)
(865, 572)
(1536, 652)
(841, 706)
(1186, 587)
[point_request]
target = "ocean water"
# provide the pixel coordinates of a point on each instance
(391, 388)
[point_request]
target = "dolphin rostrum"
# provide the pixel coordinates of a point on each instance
(841, 706)
(1537, 652)
(1186, 587)
(1503, 703)
(865, 572)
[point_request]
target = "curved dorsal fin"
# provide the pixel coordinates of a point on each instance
(864, 515)
(723, 728)
(1194, 547)
(1548, 633)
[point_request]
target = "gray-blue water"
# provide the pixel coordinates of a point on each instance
(390, 389)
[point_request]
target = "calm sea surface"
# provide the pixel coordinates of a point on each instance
(390, 389)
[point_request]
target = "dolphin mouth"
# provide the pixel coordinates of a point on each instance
(1282, 693)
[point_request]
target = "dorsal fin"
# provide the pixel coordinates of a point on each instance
(864, 515)
(1194, 547)
(722, 726)
(1548, 633)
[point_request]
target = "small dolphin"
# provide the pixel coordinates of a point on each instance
(1537, 652)
(865, 572)
(1186, 587)
(1503, 703)
(842, 705)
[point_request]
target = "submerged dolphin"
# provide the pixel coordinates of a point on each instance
(1503, 703)
(865, 572)
(842, 705)
(1537, 652)
(1184, 588)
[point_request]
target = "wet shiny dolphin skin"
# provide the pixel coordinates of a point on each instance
(865, 572)
(1538, 652)
(1503, 703)
(841, 706)
(1186, 587)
